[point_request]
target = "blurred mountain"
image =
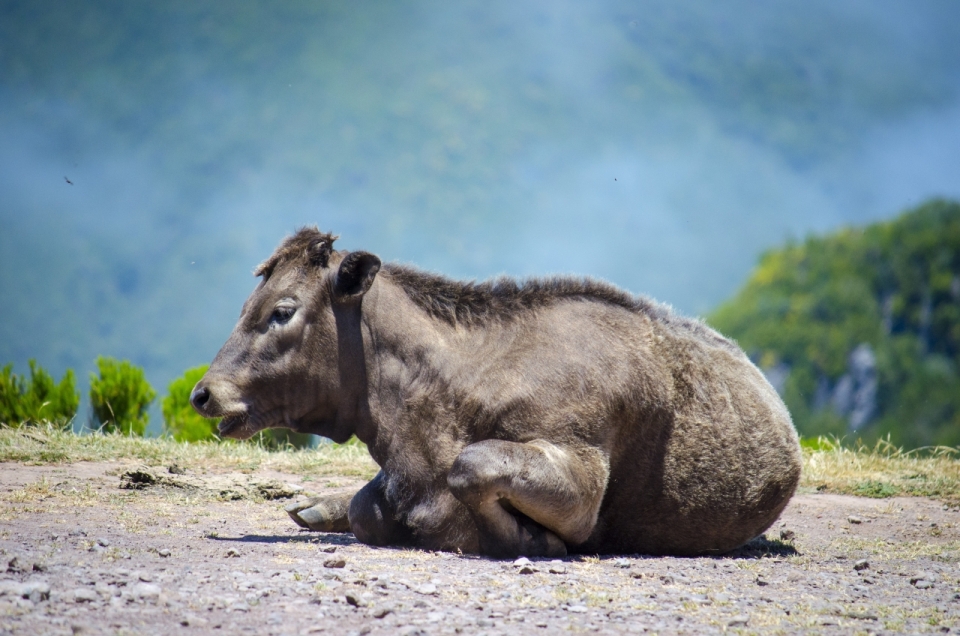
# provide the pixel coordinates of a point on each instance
(153, 153)
(859, 330)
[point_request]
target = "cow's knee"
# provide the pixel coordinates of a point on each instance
(474, 473)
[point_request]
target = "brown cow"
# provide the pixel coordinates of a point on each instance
(537, 418)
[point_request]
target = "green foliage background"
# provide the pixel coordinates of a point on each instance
(179, 418)
(119, 397)
(38, 399)
(893, 285)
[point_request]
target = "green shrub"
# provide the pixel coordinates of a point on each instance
(179, 418)
(186, 425)
(120, 397)
(39, 399)
(893, 287)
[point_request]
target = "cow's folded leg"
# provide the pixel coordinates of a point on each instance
(373, 519)
(324, 514)
(531, 499)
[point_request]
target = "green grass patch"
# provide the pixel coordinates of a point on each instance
(881, 470)
(48, 444)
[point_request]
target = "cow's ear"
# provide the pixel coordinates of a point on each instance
(319, 252)
(356, 274)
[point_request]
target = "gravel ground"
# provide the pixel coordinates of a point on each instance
(95, 548)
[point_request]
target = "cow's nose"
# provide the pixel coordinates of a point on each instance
(199, 397)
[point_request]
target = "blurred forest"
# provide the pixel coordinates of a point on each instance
(154, 153)
(860, 330)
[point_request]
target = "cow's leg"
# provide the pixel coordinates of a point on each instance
(324, 514)
(530, 499)
(373, 518)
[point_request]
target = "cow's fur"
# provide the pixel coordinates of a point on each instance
(508, 418)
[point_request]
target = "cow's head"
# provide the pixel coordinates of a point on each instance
(279, 367)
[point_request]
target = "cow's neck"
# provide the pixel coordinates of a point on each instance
(353, 413)
(385, 347)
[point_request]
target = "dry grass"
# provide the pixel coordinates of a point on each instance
(882, 470)
(50, 445)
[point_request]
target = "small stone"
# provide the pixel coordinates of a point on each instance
(39, 567)
(330, 549)
(761, 581)
(352, 599)
(381, 611)
(192, 620)
(14, 565)
(923, 580)
(146, 591)
(176, 469)
(526, 569)
(335, 562)
(426, 589)
(233, 552)
(103, 543)
(667, 579)
(521, 562)
(621, 563)
(146, 577)
(36, 591)
(787, 535)
(164, 552)
(84, 595)
(854, 520)
(577, 609)
(557, 568)
(740, 620)
(861, 565)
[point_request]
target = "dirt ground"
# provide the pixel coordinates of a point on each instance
(174, 552)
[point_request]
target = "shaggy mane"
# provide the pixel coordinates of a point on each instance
(471, 303)
(293, 248)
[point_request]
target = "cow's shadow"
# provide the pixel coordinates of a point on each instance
(319, 538)
(759, 548)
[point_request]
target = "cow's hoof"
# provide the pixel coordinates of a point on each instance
(323, 514)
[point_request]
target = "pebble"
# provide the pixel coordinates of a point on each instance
(426, 589)
(761, 581)
(860, 565)
(103, 543)
(330, 549)
(163, 552)
(146, 591)
(557, 569)
(233, 552)
(521, 562)
(621, 563)
(854, 520)
(923, 580)
(577, 609)
(787, 535)
(381, 611)
(84, 595)
(335, 562)
(740, 620)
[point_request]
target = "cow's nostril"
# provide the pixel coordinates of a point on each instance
(199, 397)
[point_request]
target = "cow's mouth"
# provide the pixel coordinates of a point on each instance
(232, 426)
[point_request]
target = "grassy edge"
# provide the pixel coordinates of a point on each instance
(829, 465)
(48, 444)
(880, 471)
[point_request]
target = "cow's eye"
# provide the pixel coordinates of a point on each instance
(282, 314)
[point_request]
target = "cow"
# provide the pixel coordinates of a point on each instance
(539, 418)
